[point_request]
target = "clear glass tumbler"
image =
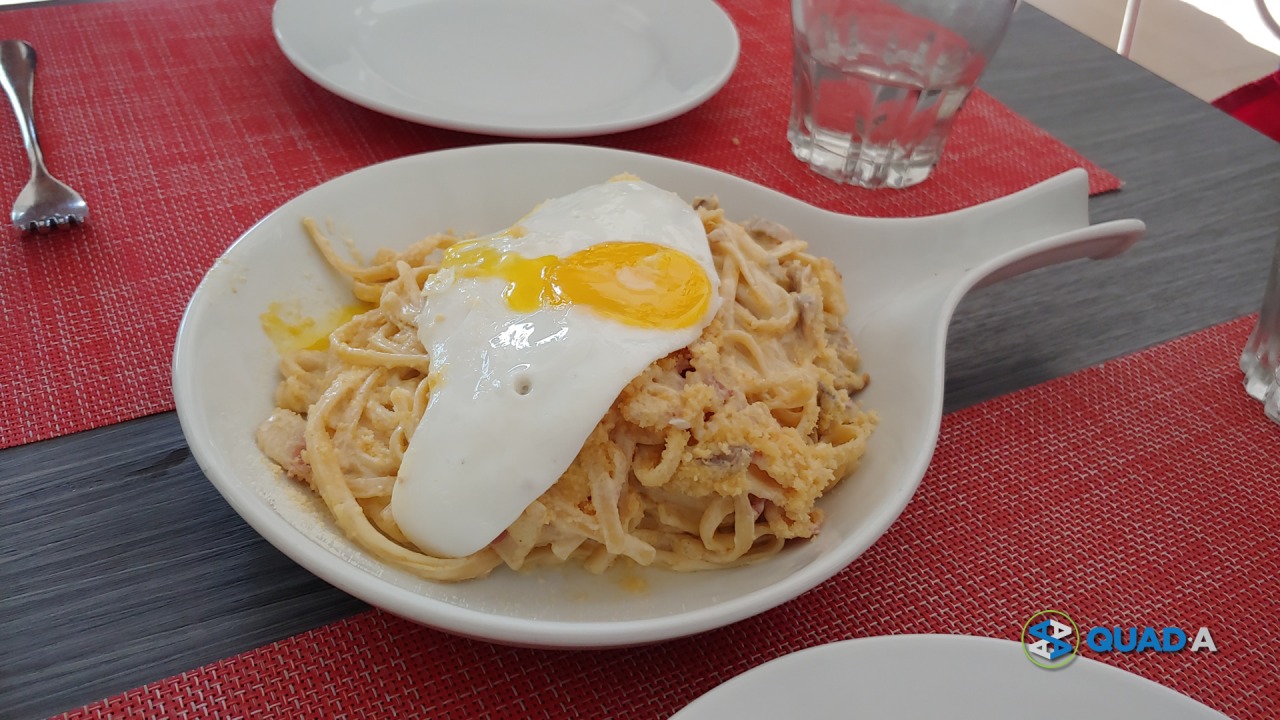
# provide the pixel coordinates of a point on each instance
(1260, 360)
(879, 82)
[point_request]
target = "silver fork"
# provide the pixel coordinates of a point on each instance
(45, 203)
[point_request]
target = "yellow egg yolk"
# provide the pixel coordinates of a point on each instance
(635, 283)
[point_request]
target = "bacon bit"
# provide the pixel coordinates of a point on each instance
(735, 458)
(724, 391)
(827, 392)
(757, 506)
(760, 228)
(682, 361)
(809, 312)
(299, 469)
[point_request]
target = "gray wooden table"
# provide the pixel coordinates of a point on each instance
(120, 564)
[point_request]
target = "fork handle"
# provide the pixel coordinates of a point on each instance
(17, 75)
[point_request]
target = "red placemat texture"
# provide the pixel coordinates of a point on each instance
(1142, 492)
(183, 124)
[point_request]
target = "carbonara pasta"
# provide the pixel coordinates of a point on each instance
(714, 456)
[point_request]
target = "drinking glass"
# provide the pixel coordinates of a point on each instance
(1260, 360)
(879, 82)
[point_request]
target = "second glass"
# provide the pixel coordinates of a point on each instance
(879, 82)
(1260, 360)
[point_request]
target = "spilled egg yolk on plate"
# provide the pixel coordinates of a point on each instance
(532, 334)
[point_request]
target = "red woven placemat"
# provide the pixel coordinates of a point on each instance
(183, 124)
(1141, 492)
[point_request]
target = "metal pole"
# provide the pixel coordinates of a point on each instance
(1130, 26)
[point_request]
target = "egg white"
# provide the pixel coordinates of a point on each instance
(518, 393)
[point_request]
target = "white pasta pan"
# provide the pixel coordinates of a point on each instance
(903, 279)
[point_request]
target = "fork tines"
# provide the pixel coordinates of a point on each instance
(52, 223)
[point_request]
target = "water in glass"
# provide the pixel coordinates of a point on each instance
(877, 83)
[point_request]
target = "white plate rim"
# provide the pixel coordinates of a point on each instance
(422, 113)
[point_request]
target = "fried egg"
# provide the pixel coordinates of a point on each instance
(533, 333)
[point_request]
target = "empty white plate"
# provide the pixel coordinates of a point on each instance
(551, 68)
(910, 677)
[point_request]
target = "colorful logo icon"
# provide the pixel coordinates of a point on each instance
(1049, 638)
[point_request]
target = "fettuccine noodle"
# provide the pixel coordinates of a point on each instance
(715, 456)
